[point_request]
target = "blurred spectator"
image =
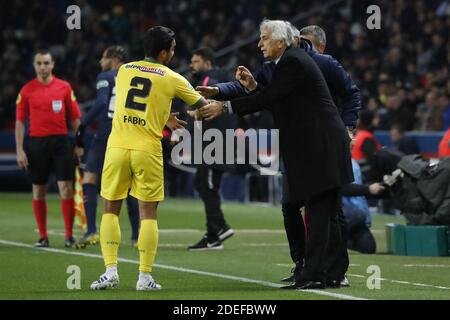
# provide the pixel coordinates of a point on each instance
(444, 145)
(444, 105)
(366, 145)
(401, 142)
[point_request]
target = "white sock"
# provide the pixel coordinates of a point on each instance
(112, 270)
(144, 275)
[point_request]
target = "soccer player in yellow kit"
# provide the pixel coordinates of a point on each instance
(133, 159)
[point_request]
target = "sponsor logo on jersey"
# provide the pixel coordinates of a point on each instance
(154, 70)
(56, 106)
(102, 84)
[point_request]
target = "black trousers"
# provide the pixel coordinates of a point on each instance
(323, 241)
(207, 183)
(338, 261)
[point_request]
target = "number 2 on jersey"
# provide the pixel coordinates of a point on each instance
(141, 89)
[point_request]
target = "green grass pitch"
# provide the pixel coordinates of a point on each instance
(249, 267)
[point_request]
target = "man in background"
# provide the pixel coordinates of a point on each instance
(209, 176)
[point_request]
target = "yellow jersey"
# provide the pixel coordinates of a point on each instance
(144, 93)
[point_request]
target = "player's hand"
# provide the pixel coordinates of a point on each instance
(376, 188)
(22, 159)
(174, 123)
(207, 91)
(78, 152)
(245, 77)
(211, 110)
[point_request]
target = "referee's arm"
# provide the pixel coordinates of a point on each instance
(22, 159)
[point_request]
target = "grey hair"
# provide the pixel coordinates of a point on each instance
(317, 32)
(279, 28)
(295, 33)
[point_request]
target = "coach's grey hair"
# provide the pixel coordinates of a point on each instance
(279, 29)
(295, 33)
(317, 32)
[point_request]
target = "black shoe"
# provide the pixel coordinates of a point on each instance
(225, 233)
(204, 244)
(333, 284)
(305, 285)
(295, 276)
(42, 243)
(70, 242)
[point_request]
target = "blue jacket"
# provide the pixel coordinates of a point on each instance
(356, 208)
(345, 93)
(103, 107)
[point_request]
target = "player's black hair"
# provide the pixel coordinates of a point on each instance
(44, 51)
(118, 52)
(206, 53)
(157, 39)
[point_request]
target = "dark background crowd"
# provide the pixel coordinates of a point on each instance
(402, 68)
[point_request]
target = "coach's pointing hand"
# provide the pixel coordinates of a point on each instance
(245, 77)
(212, 110)
(207, 91)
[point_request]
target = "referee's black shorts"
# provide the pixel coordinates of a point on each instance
(47, 154)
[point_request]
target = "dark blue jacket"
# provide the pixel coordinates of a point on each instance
(345, 93)
(103, 107)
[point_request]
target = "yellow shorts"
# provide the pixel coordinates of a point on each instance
(141, 171)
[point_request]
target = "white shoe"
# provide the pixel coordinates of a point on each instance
(147, 283)
(106, 281)
(344, 282)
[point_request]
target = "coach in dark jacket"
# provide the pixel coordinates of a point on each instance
(313, 140)
(347, 98)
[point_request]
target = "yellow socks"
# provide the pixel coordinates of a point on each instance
(147, 244)
(110, 238)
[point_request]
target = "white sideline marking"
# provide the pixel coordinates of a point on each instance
(352, 275)
(175, 245)
(167, 267)
(428, 265)
(292, 265)
(60, 232)
(402, 282)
